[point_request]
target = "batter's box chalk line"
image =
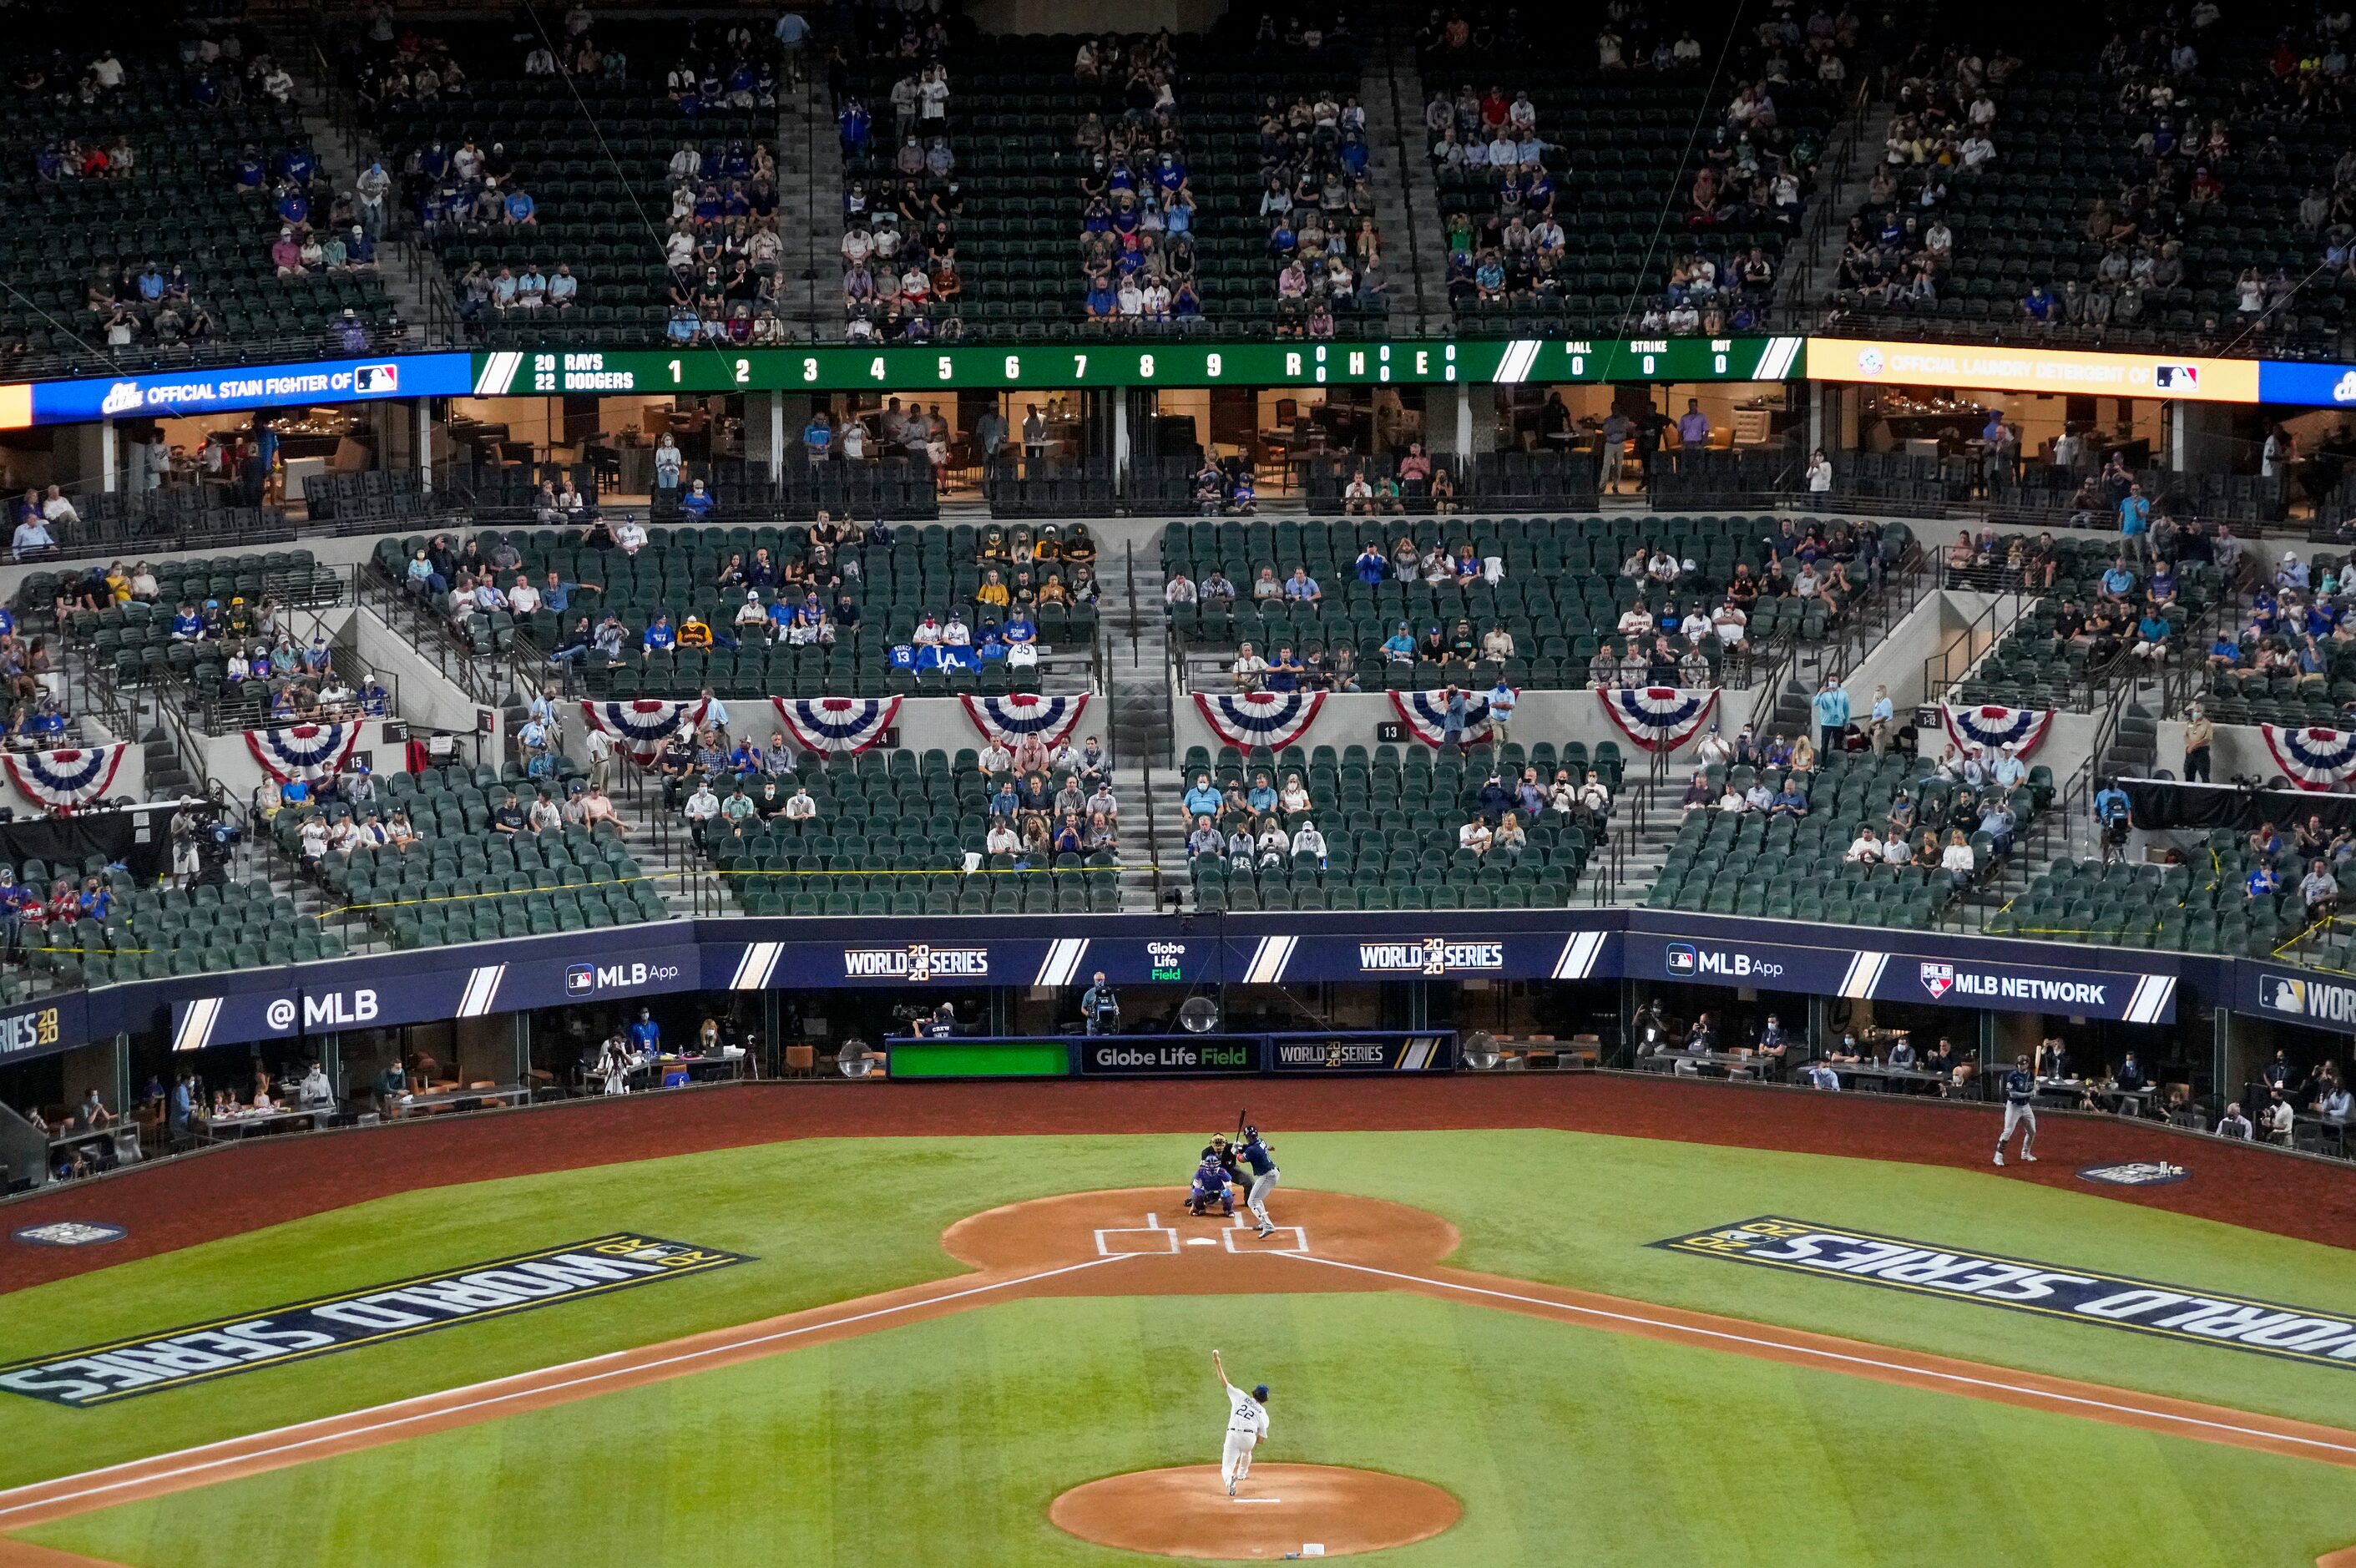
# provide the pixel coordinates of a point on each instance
(1129, 1242)
(1240, 1239)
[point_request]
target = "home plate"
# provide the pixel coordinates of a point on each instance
(1200, 1241)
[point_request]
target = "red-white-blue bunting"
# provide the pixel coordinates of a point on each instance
(1425, 714)
(841, 727)
(1026, 716)
(1272, 719)
(1993, 728)
(2314, 759)
(1657, 718)
(303, 751)
(641, 726)
(61, 780)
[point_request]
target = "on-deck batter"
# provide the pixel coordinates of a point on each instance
(2020, 1111)
(1246, 1426)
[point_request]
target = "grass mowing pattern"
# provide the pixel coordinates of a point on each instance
(829, 1220)
(943, 1442)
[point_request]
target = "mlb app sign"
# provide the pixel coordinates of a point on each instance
(586, 979)
(1685, 961)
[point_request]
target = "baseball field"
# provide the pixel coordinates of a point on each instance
(955, 1325)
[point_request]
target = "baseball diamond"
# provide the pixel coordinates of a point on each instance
(889, 783)
(874, 1272)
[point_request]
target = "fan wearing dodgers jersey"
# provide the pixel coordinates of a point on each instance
(2020, 1111)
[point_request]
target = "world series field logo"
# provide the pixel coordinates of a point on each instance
(2139, 1307)
(103, 1374)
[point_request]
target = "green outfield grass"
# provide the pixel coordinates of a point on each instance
(832, 1219)
(942, 1442)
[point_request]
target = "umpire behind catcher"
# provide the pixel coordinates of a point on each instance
(1218, 1149)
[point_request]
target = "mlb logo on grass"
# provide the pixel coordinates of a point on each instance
(1938, 979)
(1682, 958)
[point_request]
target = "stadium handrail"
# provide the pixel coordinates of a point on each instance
(427, 631)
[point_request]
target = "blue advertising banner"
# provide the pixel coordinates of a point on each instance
(437, 985)
(2051, 1290)
(964, 953)
(1954, 979)
(739, 953)
(1415, 1050)
(2289, 996)
(173, 393)
(45, 1027)
(1169, 1055)
(1403, 952)
(2281, 381)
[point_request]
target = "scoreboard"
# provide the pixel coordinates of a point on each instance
(1139, 363)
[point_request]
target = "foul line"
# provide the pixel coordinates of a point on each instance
(342, 1434)
(2144, 1413)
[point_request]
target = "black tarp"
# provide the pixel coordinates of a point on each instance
(138, 836)
(2166, 803)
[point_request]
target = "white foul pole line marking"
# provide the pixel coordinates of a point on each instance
(1962, 1380)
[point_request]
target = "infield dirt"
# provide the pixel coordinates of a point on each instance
(1140, 1242)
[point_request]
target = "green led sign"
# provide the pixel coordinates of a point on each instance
(1138, 363)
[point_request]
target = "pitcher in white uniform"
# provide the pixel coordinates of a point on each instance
(1246, 1426)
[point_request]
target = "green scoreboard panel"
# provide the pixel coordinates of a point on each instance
(1137, 362)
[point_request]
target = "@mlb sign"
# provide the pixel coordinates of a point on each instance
(1938, 979)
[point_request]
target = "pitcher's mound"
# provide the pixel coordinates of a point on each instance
(1186, 1512)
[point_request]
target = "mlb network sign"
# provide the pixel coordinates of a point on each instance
(916, 963)
(1940, 980)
